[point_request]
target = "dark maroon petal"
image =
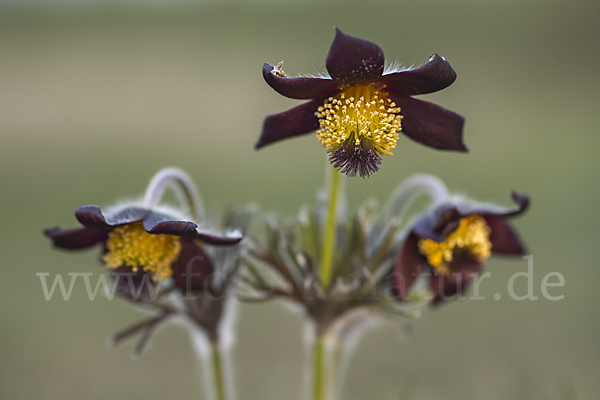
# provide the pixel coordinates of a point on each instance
(485, 210)
(436, 75)
(135, 285)
(503, 237)
(192, 267)
(430, 124)
(409, 263)
(161, 224)
(438, 224)
(299, 88)
(177, 228)
(77, 238)
(445, 288)
(450, 287)
(157, 223)
(351, 59)
(297, 121)
(521, 200)
(92, 217)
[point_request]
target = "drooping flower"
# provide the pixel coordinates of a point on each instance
(145, 241)
(148, 243)
(360, 109)
(452, 243)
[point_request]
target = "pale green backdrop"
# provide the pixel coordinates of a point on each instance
(94, 100)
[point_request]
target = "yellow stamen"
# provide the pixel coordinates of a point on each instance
(359, 112)
(471, 235)
(132, 246)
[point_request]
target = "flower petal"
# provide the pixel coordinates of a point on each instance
(431, 124)
(450, 287)
(297, 121)
(439, 223)
(92, 217)
(409, 263)
(191, 268)
(503, 237)
(352, 59)
(133, 285)
(302, 88)
(177, 228)
(445, 288)
(157, 223)
(521, 200)
(444, 219)
(436, 75)
(77, 238)
(161, 224)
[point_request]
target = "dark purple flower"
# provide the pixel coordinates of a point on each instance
(452, 243)
(146, 242)
(359, 109)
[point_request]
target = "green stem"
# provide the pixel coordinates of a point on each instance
(217, 369)
(319, 369)
(336, 365)
(330, 229)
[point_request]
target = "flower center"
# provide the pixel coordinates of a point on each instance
(356, 126)
(132, 246)
(470, 237)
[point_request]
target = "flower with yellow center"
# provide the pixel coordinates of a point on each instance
(470, 239)
(359, 109)
(130, 245)
(146, 241)
(451, 243)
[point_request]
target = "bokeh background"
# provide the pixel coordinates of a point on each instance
(95, 97)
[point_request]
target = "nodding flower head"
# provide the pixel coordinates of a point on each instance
(148, 240)
(143, 241)
(452, 243)
(147, 243)
(360, 110)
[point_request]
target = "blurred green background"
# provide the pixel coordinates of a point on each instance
(94, 100)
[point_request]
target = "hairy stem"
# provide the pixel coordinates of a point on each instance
(211, 355)
(183, 186)
(217, 369)
(410, 189)
(337, 367)
(330, 229)
(319, 369)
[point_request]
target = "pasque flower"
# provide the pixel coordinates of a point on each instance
(146, 240)
(150, 243)
(143, 240)
(452, 242)
(359, 110)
